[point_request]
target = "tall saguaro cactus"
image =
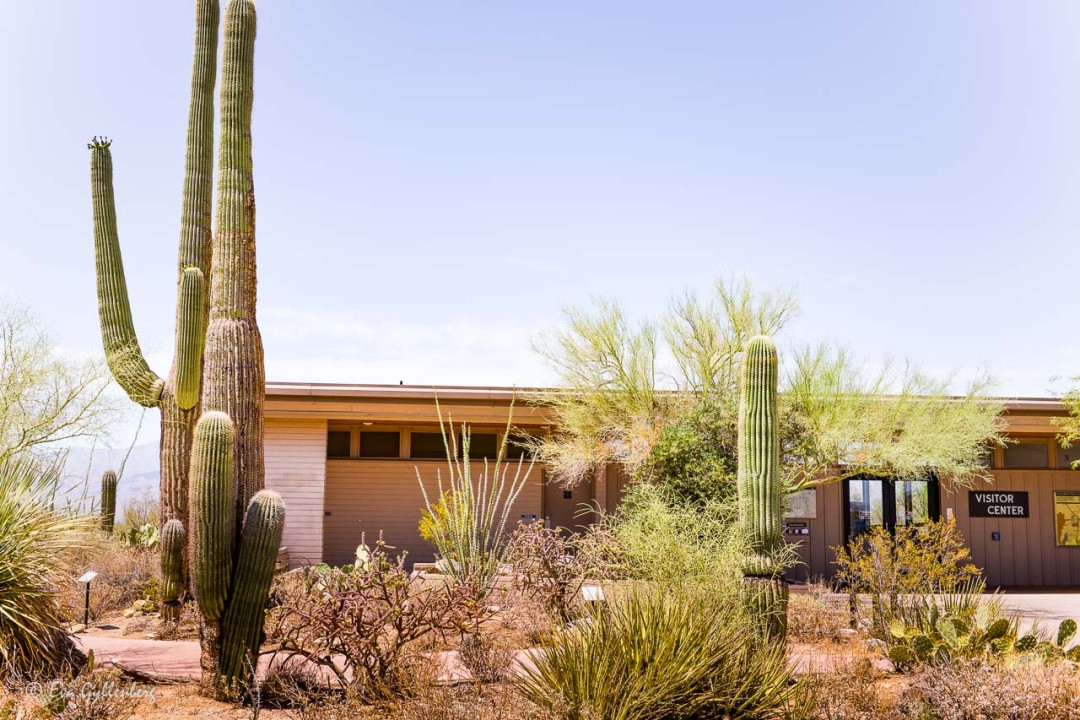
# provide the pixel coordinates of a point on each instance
(760, 494)
(233, 526)
(177, 396)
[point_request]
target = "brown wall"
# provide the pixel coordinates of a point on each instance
(296, 468)
(369, 496)
(1026, 554)
(826, 532)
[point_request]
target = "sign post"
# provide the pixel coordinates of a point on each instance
(85, 580)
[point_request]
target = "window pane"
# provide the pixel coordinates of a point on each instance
(427, 445)
(518, 447)
(1027, 455)
(484, 445)
(380, 444)
(866, 506)
(1066, 457)
(338, 444)
(912, 502)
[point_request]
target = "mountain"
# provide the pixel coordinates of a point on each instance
(141, 477)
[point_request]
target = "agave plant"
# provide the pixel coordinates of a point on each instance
(34, 539)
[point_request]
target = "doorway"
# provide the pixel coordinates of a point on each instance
(876, 502)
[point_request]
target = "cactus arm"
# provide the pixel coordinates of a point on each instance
(211, 496)
(122, 351)
(243, 624)
(192, 303)
(108, 500)
(190, 337)
(173, 539)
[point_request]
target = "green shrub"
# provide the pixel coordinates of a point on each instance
(33, 541)
(898, 571)
(659, 653)
(694, 455)
(652, 538)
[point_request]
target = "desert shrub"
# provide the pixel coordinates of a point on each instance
(897, 571)
(143, 510)
(469, 515)
(1018, 691)
(93, 695)
(547, 566)
(462, 703)
(126, 575)
(141, 537)
(366, 624)
(654, 539)
(487, 659)
(816, 616)
(659, 653)
(33, 541)
(848, 692)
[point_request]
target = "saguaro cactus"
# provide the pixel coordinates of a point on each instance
(760, 495)
(177, 396)
(108, 500)
(231, 598)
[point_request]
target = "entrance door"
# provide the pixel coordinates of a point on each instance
(873, 502)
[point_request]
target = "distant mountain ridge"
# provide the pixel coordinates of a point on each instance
(141, 475)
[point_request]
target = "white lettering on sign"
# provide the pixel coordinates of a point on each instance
(995, 498)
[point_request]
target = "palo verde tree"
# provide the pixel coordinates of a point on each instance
(176, 395)
(218, 382)
(660, 399)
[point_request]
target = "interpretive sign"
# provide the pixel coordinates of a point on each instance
(998, 504)
(1067, 518)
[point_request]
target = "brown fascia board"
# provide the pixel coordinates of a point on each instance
(506, 394)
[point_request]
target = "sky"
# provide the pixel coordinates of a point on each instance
(436, 181)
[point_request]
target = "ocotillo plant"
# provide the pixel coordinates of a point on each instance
(177, 396)
(108, 500)
(231, 597)
(760, 494)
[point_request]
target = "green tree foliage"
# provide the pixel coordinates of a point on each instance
(642, 393)
(46, 399)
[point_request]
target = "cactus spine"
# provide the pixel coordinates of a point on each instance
(177, 396)
(760, 494)
(108, 500)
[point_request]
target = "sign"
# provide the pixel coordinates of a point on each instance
(998, 504)
(1067, 519)
(801, 504)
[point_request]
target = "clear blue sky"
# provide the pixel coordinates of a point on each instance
(435, 180)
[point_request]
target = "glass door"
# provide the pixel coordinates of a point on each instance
(874, 502)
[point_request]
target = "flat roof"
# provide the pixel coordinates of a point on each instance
(500, 393)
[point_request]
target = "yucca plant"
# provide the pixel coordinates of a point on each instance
(34, 539)
(660, 653)
(470, 513)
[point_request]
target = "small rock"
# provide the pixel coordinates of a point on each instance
(78, 628)
(848, 633)
(151, 636)
(875, 644)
